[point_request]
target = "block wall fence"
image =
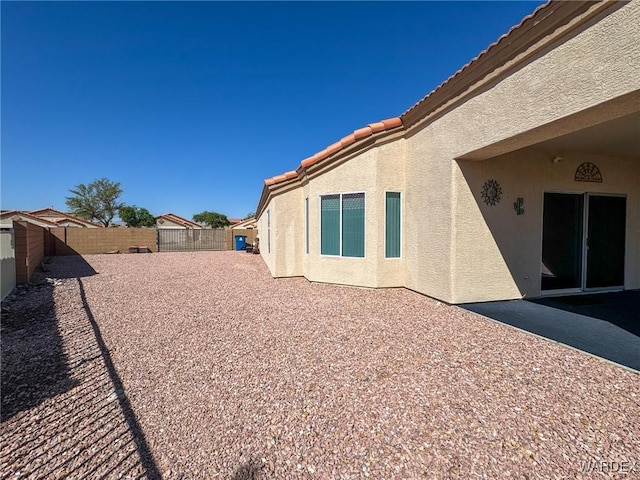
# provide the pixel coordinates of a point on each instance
(230, 241)
(29, 244)
(33, 243)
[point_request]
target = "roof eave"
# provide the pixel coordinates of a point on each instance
(348, 149)
(531, 31)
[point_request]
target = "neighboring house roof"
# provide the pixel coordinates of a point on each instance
(58, 217)
(234, 221)
(246, 223)
(66, 222)
(177, 219)
(548, 23)
(20, 215)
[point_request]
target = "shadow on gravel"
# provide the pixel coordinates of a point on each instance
(34, 366)
(252, 470)
(146, 457)
(65, 413)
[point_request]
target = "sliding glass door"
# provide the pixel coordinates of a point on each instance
(562, 234)
(606, 241)
(583, 242)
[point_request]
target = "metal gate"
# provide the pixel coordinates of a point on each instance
(191, 239)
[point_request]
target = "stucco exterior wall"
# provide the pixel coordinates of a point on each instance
(456, 248)
(599, 63)
(8, 263)
(392, 177)
(429, 210)
(261, 220)
(281, 245)
(498, 252)
(374, 172)
(459, 259)
(359, 174)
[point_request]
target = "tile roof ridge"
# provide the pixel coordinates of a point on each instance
(170, 214)
(14, 213)
(174, 217)
(46, 208)
(481, 54)
(67, 215)
(356, 135)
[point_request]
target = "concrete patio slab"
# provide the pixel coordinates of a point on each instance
(606, 325)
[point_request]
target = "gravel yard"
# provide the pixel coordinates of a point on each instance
(200, 365)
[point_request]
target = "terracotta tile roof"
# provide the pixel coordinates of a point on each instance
(43, 211)
(18, 214)
(541, 23)
(545, 21)
(58, 216)
(179, 220)
(58, 221)
(361, 133)
(476, 58)
(247, 222)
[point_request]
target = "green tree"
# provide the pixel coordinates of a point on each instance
(212, 219)
(249, 215)
(97, 201)
(134, 216)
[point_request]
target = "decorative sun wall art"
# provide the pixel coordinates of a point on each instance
(588, 172)
(491, 192)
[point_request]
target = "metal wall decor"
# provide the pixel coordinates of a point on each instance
(491, 192)
(588, 172)
(517, 206)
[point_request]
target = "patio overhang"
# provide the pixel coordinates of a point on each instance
(609, 129)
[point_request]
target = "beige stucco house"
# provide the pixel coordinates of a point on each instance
(45, 217)
(517, 177)
(173, 221)
(248, 223)
(7, 217)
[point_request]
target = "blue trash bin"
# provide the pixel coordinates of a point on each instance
(241, 241)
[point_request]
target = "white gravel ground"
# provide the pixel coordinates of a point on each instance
(200, 365)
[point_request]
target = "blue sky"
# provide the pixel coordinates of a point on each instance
(191, 105)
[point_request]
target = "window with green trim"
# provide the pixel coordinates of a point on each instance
(392, 225)
(342, 224)
(269, 231)
(306, 225)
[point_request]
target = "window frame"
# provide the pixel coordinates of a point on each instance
(364, 231)
(306, 225)
(399, 192)
(269, 231)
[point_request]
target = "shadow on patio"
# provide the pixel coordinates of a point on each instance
(606, 325)
(621, 309)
